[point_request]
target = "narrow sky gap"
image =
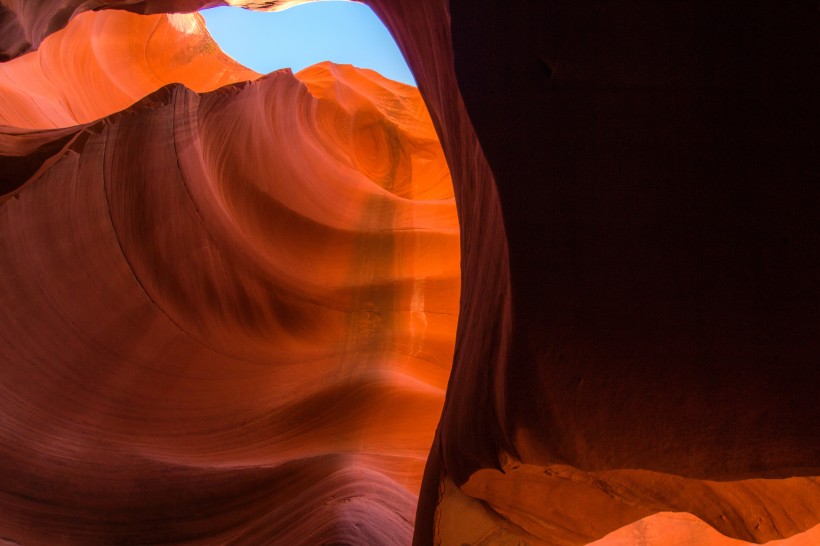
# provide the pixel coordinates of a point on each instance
(341, 32)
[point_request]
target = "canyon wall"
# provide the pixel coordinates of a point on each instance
(229, 315)
(636, 352)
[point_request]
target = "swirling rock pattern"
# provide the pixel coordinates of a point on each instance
(230, 315)
(635, 359)
(104, 62)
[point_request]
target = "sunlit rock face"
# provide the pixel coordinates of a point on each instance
(25, 23)
(104, 62)
(229, 316)
(635, 360)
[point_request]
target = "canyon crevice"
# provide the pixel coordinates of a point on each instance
(230, 300)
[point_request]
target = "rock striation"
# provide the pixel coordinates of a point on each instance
(229, 315)
(104, 62)
(635, 358)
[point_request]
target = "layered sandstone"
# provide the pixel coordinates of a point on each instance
(104, 62)
(229, 315)
(636, 353)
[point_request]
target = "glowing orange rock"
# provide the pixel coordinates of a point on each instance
(230, 315)
(104, 62)
(638, 320)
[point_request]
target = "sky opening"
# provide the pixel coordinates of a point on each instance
(341, 32)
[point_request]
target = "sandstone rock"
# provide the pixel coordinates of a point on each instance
(229, 315)
(639, 313)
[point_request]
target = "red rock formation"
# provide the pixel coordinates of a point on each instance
(229, 315)
(663, 268)
(104, 62)
(25, 23)
(650, 343)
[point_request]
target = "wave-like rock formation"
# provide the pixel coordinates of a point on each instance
(636, 353)
(229, 316)
(104, 62)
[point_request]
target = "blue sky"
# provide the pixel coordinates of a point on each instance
(342, 32)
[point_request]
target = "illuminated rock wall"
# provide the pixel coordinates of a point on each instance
(229, 316)
(637, 338)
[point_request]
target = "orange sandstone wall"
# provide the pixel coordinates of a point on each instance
(229, 315)
(104, 62)
(637, 338)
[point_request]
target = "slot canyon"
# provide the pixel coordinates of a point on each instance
(565, 292)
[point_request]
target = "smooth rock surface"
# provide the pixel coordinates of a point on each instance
(229, 316)
(106, 61)
(639, 246)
